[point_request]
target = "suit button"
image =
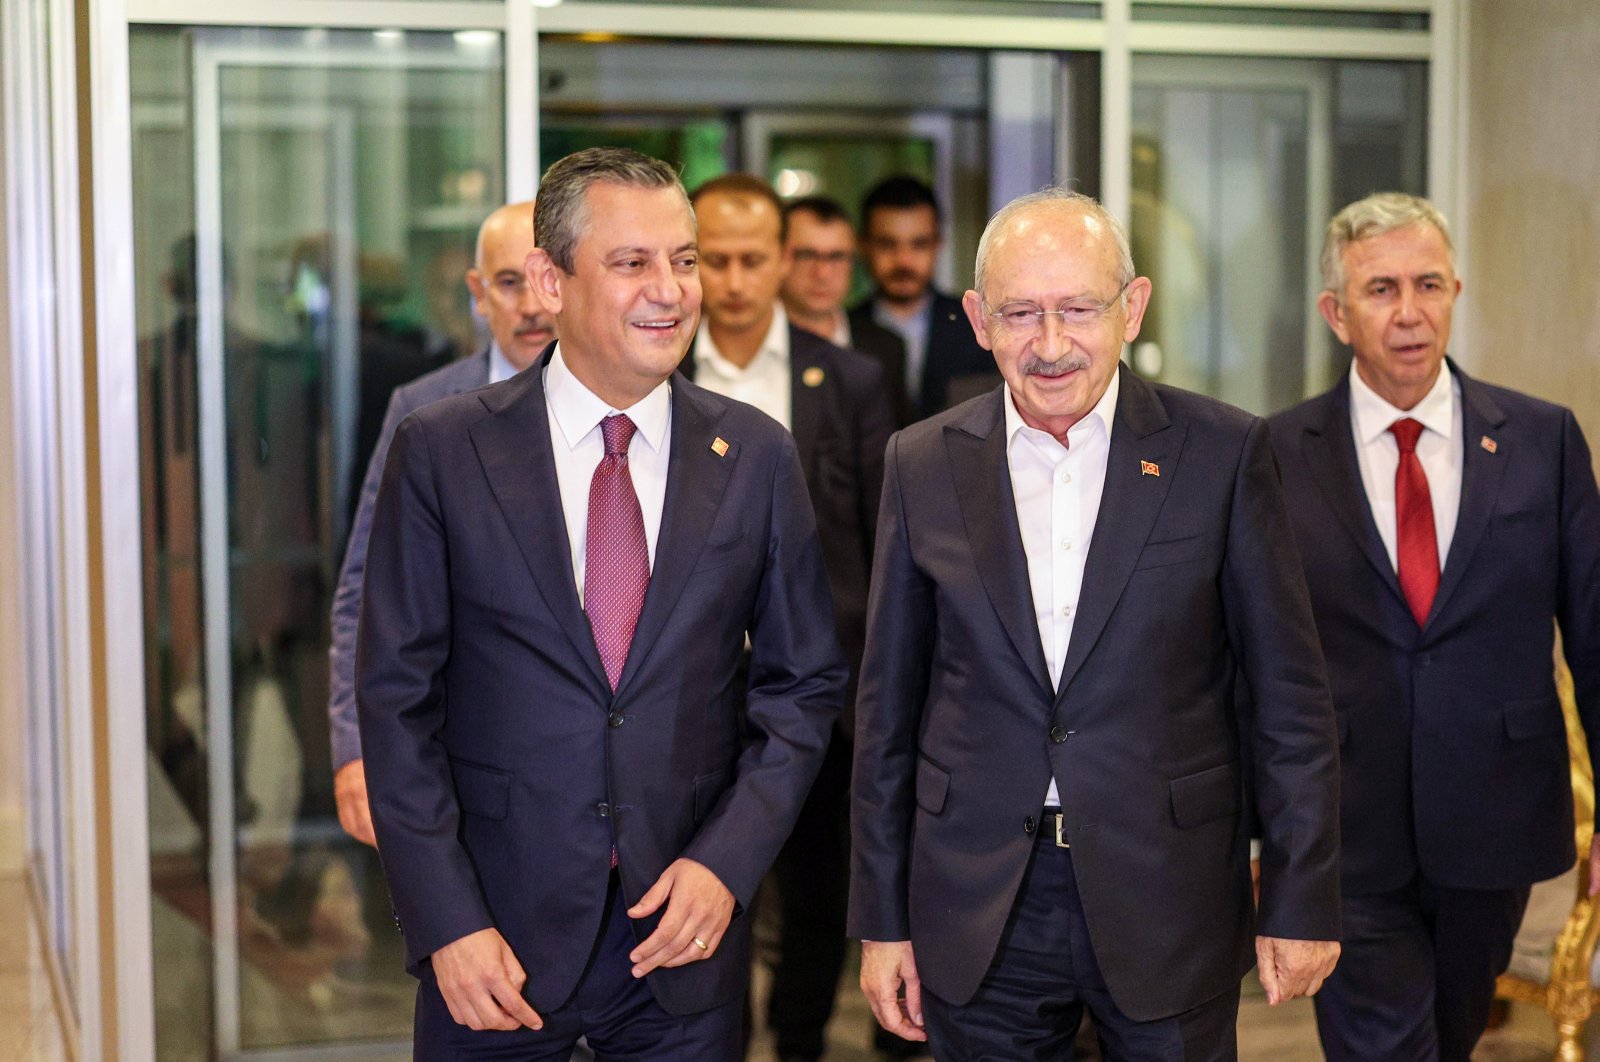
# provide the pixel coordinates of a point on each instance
(1028, 825)
(604, 810)
(1058, 734)
(615, 718)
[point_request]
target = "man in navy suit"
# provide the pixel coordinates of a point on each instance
(1051, 794)
(819, 254)
(519, 330)
(574, 796)
(900, 239)
(834, 402)
(1447, 527)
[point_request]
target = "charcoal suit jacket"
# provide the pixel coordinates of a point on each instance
(1191, 582)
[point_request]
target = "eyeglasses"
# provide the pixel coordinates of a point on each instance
(1077, 315)
(807, 256)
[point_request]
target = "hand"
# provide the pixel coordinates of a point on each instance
(481, 981)
(698, 914)
(1594, 865)
(885, 966)
(1293, 968)
(350, 792)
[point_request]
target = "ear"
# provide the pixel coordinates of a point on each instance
(972, 302)
(480, 290)
(1138, 296)
(544, 280)
(1332, 311)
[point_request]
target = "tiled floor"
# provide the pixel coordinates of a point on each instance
(29, 1031)
(29, 1028)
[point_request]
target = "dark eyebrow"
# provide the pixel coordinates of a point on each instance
(509, 274)
(690, 247)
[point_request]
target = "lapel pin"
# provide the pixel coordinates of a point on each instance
(1488, 444)
(719, 446)
(1149, 468)
(813, 376)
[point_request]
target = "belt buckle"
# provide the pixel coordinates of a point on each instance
(1061, 842)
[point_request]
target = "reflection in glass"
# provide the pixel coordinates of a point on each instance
(1237, 166)
(305, 209)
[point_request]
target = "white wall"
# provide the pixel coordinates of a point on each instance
(1532, 273)
(11, 736)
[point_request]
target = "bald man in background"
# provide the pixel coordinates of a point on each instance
(519, 331)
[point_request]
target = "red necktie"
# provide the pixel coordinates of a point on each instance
(1417, 546)
(616, 569)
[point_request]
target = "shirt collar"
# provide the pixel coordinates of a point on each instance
(774, 347)
(916, 320)
(578, 410)
(500, 367)
(1373, 414)
(1099, 418)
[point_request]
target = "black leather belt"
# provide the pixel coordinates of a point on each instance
(1053, 824)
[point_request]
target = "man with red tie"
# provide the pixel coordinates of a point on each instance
(1447, 527)
(574, 799)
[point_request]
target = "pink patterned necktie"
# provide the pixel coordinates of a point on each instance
(616, 569)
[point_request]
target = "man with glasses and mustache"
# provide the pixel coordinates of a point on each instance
(900, 240)
(1053, 793)
(819, 254)
(519, 330)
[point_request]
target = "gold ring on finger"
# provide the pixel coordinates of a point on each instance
(702, 945)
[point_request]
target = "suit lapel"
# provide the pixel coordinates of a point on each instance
(696, 479)
(1128, 509)
(977, 449)
(805, 400)
(1481, 472)
(513, 446)
(1330, 451)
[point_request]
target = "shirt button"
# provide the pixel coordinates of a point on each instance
(1066, 543)
(1058, 734)
(1066, 477)
(1066, 610)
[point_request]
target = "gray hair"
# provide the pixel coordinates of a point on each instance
(1373, 216)
(1054, 194)
(563, 211)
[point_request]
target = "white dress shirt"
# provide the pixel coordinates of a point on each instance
(764, 383)
(575, 440)
(914, 330)
(1439, 449)
(500, 367)
(1057, 493)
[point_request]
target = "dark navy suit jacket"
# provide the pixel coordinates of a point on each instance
(499, 762)
(452, 379)
(1191, 580)
(1453, 752)
(840, 415)
(953, 356)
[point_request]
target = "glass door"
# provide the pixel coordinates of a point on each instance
(306, 207)
(1238, 164)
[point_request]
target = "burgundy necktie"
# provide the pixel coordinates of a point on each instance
(617, 560)
(1417, 546)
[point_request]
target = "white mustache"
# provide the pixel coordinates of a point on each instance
(1037, 366)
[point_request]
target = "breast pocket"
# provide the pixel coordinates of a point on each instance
(720, 554)
(1171, 551)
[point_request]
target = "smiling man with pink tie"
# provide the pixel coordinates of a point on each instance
(574, 799)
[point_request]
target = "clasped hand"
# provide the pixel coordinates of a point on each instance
(481, 980)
